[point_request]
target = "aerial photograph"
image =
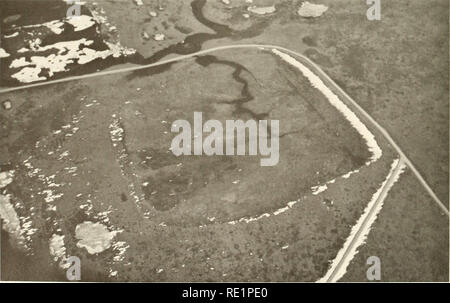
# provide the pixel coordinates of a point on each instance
(224, 140)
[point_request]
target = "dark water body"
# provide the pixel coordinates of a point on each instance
(194, 43)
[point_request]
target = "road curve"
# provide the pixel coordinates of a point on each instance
(366, 115)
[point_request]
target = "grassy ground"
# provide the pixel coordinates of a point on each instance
(396, 69)
(408, 238)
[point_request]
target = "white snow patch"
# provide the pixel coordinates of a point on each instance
(12, 222)
(120, 247)
(12, 35)
(265, 215)
(28, 74)
(23, 50)
(57, 248)
(112, 273)
(67, 52)
(50, 195)
(319, 189)
(116, 132)
(11, 219)
(6, 178)
(3, 53)
(159, 37)
(347, 175)
(55, 26)
(21, 62)
(310, 10)
(262, 10)
(81, 22)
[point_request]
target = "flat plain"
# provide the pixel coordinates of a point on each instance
(94, 152)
